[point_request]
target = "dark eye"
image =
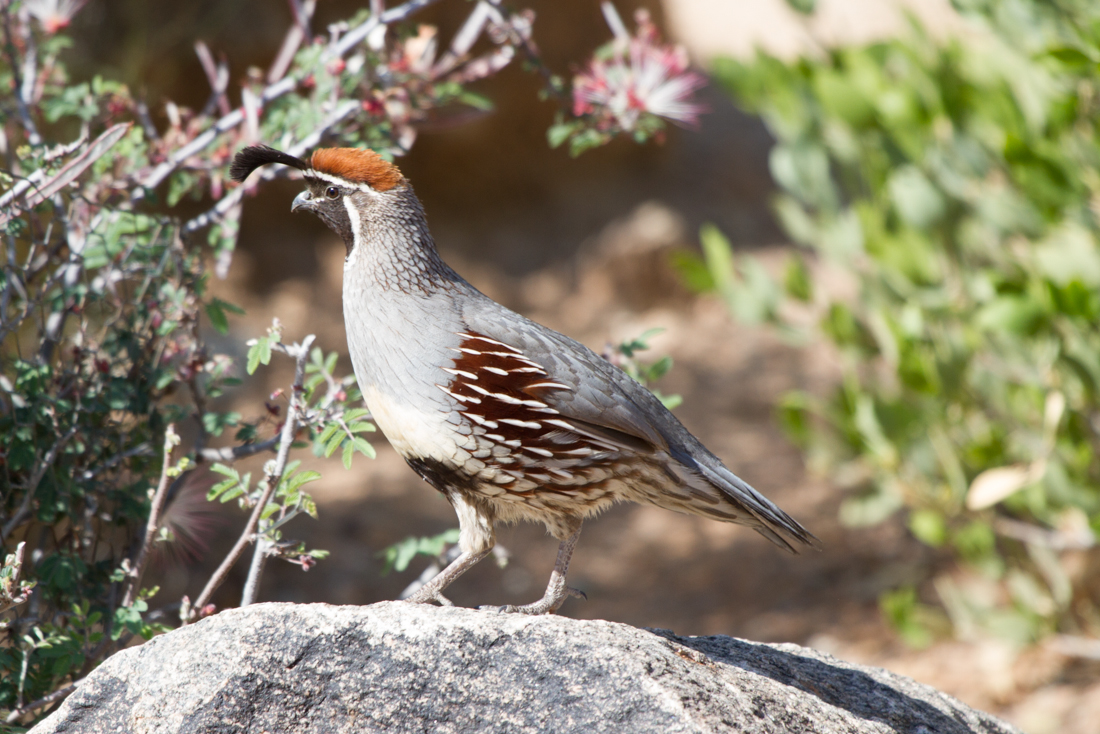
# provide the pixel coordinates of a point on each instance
(332, 192)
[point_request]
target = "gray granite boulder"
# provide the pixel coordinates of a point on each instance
(397, 667)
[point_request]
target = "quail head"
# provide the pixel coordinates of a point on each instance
(508, 419)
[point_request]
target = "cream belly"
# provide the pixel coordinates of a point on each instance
(412, 432)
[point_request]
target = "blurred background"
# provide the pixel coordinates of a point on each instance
(606, 246)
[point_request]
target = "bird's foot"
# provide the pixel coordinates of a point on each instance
(428, 596)
(548, 604)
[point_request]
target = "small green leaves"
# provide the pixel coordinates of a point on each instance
(399, 555)
(625, 356)
(232, 487)
(343, 432)
(259, 351)
(946, 183)
(216, 311)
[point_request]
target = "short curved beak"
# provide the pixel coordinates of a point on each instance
(303, 200)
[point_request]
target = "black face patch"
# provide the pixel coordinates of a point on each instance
(331, 211)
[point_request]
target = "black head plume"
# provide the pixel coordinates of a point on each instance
(254, 156)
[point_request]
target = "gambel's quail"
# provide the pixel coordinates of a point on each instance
(508, 419)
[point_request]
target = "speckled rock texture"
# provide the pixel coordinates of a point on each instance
(398, 667)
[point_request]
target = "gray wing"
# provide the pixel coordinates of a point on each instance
(604, 401)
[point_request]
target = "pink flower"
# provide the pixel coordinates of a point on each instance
(54, 15)
(636, 77)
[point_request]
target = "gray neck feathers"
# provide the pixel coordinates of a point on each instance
(393, 246)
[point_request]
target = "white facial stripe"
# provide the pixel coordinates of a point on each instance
(339, 181)
(353, 216)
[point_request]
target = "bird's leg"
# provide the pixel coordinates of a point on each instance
(433, 590)
(556, 591)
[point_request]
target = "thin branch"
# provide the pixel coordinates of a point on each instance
(142, 111)
(133, 583)
(66, 175)
(24, 510)
(273, 91)
(298, 32)
(57, 695)
(18, 84)
(227, 202)
(517, 28)
(198, 397)
(217, 75)
(271, 481)
(255, 570)
(1034, 535)
(464, 40)
(1073, 646)
(229, 454)
(142, 449)
(614, 22)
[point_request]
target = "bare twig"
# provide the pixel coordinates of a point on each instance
(217, 75)
(614, 22)
(133, 583)
(229, 454)
(464, 40)
(142, 111)
(271, 480)
(20, 85)
(142, 449)
(62, 178)
(517, 28)
(273, 91)
(1054, 539)
(199, 398)
(230, 200)
(57, 695)
(303, 13)
(24, 510)
(255, 570)
(1074, 646)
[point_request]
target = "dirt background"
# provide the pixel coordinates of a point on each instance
(582, 246)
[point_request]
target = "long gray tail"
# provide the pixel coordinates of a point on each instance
(708, 488)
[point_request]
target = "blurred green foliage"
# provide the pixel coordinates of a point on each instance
(956, 183)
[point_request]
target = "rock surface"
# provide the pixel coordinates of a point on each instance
(397, 667)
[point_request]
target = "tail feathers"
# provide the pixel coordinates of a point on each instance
(740, 503)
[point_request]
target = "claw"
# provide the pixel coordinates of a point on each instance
(506, 609)
(576, 593)
(428, 598)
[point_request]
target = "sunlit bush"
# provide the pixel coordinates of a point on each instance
(959, 182)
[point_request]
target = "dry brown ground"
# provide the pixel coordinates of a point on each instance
(641, 565)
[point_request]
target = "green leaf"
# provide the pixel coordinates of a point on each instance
(362, 446)
(302, 478)
(253, 358)
(915, 198)
(219, 488)
(224, 470)
(561, 132)
(797, 280)
(328, 432)
(334, 443)
(216, 314)
(1013, 314)
(929, 527)
(692, 269)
